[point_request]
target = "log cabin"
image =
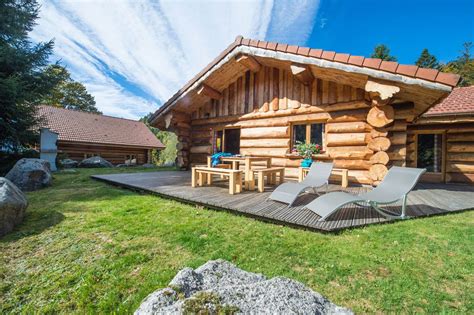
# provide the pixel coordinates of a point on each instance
(82, 135)
(442, 139)
(258, 98)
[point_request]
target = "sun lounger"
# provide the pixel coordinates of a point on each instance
(396, 185)
(317, 177)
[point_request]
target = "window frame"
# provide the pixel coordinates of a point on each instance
(308, 132)
(223, 129)
(443, 150)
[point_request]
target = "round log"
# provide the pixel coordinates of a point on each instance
(377, 172)
(379, 144)
(348, 139)
(378, 132)
(380, 157)
(356, 126)
(380, 116)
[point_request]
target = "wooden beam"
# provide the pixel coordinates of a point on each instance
(248, 61)
(302, 73)
(382, 91)
(208, 91)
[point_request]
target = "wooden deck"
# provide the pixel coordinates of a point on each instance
(425, 200)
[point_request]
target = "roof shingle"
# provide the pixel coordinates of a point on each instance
(460, 101)
(76, 126)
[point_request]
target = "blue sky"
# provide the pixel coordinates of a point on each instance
(133, 55)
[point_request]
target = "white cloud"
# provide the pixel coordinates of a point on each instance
(133, 55)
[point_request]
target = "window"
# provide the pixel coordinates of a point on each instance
(227, 140)
(130, 159)
(308, 133)
(429, 152)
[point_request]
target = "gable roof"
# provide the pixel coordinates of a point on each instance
(460, 101)
(77, 126)
(448, 80)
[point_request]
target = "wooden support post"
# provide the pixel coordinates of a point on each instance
(344, 178)
(282, 176)
(302, 73)
(252, 181)
(238, 188)
(232, 183)
(208, 91)
(248, 61)
(261, 184)
(300, 174)
(193, 177)
(248, 168)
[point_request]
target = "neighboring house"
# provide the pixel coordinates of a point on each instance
(447, 130)
(82, 135)
(259, 98)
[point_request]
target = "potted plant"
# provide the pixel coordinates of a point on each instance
(306, 151)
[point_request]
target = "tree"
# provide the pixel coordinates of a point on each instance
(169, 139)
(23, 80)
(383, 52)
(463, 65)
(68, 93)
(427, 60)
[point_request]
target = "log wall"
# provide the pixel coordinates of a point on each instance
(114, 154)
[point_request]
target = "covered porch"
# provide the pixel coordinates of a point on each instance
(425, 200)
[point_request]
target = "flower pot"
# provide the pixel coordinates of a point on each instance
(306, 162)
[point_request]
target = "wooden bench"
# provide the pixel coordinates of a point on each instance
(201, 175)
(303, 171)
(270, 173)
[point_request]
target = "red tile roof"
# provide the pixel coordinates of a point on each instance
(374, 63)
(460, 101)
(79, 126)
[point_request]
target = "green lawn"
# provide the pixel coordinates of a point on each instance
(89, 247)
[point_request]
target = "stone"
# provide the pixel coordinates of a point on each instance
(168, 164)
(95, 162)
(148, 165)
(220, 287)
(13, 204)
(68, 163)
(30, 174)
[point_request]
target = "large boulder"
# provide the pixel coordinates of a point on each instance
(95, 161)
(13, 204)
(68, 163)
(30, 174)
(220, 287)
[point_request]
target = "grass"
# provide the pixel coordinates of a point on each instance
(88, 247)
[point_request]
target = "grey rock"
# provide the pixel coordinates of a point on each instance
(157, 300)
(68, 163)
(95, 162)
(124, 165)
(219, 285)
(148, 165)
(168, 164)
(30, 174)
(187, 282)
(13, 204)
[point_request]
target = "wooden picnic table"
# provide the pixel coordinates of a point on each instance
(303, 171)
(247, 161)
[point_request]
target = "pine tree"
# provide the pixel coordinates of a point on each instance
(22, 77)
(427, 60)
(68, 93)
(463, 65)
(383, 52)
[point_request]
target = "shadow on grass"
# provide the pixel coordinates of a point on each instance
(33, 224)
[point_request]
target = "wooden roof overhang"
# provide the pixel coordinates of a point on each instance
(228, 67)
